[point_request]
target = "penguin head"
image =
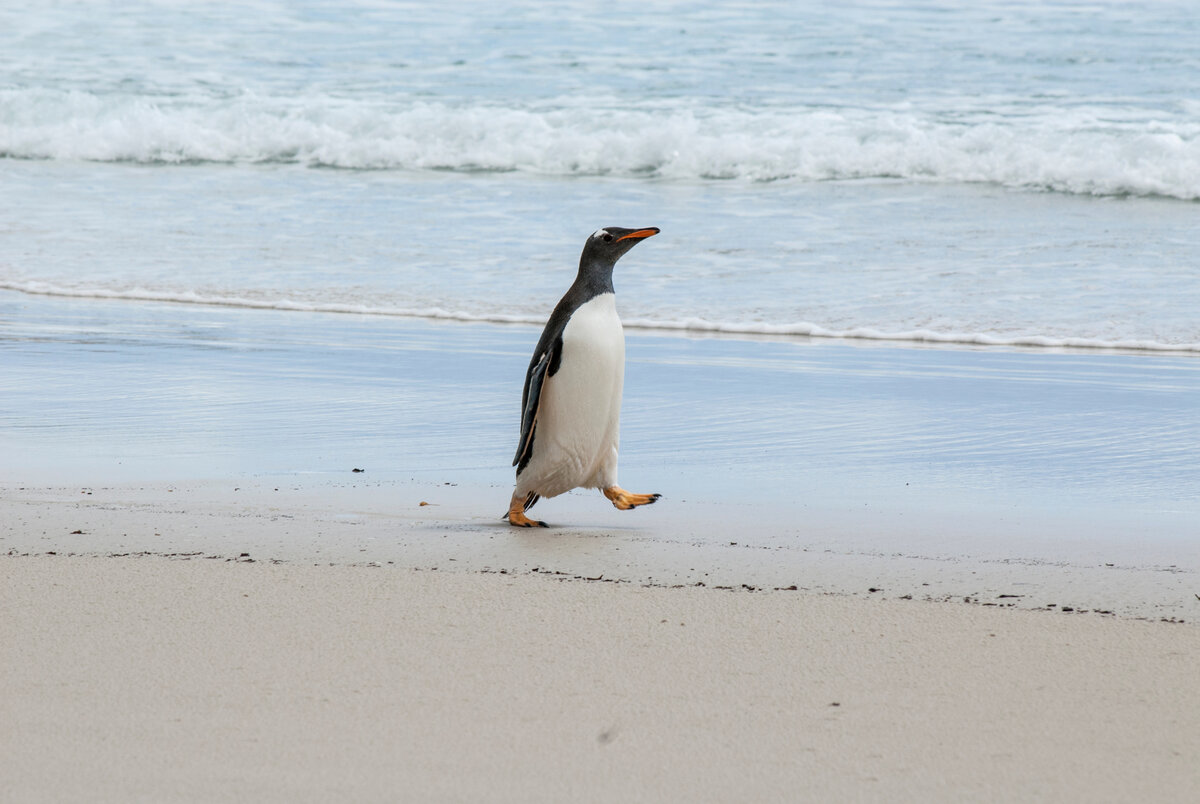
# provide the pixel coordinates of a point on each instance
(607, 245)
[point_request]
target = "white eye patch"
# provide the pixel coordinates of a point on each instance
(599, 233)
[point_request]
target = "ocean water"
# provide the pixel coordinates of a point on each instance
(937, 262)
(992, 173)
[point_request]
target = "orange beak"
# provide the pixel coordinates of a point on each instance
(639, 234)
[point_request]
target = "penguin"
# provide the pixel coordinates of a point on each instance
(571, 403)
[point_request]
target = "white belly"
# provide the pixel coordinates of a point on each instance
(578, 425)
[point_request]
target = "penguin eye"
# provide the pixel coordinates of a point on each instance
(607, 237)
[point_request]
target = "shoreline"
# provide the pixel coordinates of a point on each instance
(1065, 479)
(441, 526)
(798, 332)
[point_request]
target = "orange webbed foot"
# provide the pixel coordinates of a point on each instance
(519, 520)
(624, 500)
(516, 512)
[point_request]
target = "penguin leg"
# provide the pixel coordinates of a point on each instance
(624, 500)
(516, 511)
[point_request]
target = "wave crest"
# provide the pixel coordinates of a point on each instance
(1076, 152)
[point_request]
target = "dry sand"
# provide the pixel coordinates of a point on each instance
(151, 679)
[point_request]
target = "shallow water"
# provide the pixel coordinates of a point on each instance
(996, 173)
(935, 446)
(876, 260)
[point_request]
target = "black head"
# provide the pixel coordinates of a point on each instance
(607, 245)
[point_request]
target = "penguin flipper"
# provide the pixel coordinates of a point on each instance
(536, 377)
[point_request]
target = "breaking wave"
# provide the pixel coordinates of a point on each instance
(1094, 151)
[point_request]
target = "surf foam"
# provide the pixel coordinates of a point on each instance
(1078, 150)
(693, 325)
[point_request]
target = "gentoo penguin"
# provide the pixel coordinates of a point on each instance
(571, 405)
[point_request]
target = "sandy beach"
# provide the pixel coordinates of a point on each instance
(889, 574)
(148, 679)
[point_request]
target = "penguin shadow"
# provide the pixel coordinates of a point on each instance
(563, 528)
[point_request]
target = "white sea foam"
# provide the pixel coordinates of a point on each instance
(135, 294)
(803, 329)
(692, 325)
(1078, 150)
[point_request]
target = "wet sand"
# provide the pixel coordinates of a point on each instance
(446, 525)
(876, 572)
